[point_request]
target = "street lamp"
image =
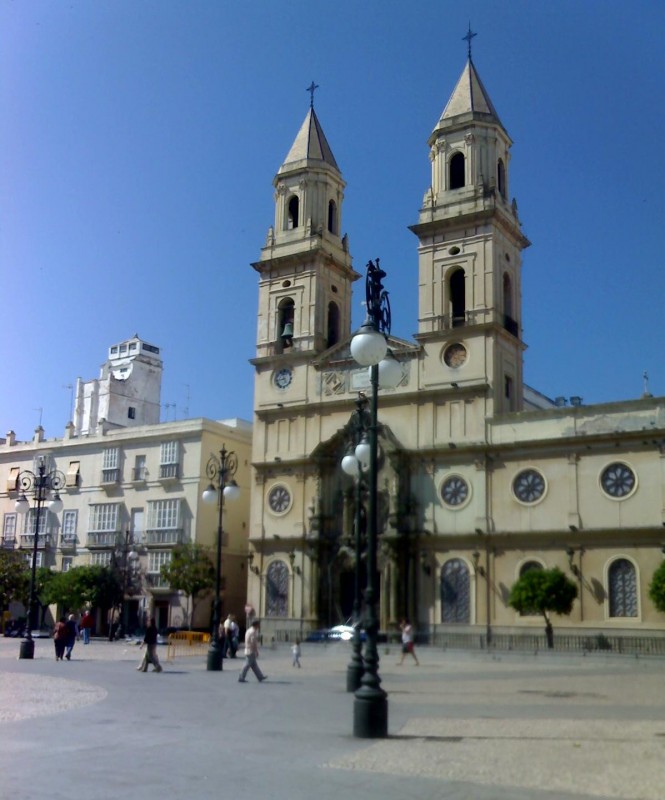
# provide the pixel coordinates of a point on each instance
(128, 560)
(369, 347)
(354, 467)
(40, 485)
(220, 470)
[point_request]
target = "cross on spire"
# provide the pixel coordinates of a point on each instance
(468, 38)
(311, 89)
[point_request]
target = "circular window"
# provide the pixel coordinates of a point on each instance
(279, 499)
(455, 491)
(455, 355)
(454, 250)
(618, 480)
(529, 486)
(286, 284)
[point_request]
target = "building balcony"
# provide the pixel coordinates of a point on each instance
(8, 543)
(68, 541)
(46, 540)
(139, 474)
(155, 581)
(169, 536)
(102, 538)
(169, 472)
(110, 476)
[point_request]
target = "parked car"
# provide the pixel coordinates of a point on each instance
(338, 633)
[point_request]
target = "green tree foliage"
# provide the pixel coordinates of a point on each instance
(95, 586)
(14, 578)
(190, 571)
(657, 588)
(543, 591)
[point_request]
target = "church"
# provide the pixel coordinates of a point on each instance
(481, 477)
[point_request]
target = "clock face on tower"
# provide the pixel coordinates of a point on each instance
(283, 378)
(279, 499)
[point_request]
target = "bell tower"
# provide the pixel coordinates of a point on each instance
(470, 244)
(305, 266)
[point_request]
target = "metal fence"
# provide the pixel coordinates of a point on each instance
(565, 643)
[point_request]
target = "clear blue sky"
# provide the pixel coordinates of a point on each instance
(139, 140)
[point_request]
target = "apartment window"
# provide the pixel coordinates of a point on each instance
(102, 559)
(140, 471)
(9, 530)
(104, 517)
(69, 523)
(12, 480)
(67, 563)
(110, 465)
(30, 525)
(157, 559)
(131, 413)
(164, 514)
(39, 559)
(73, 477)
(169, 458)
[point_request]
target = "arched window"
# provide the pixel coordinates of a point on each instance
(501, 178)
(456, 177)
(332, 216)
(622, 580)
(507, 295)
(529, 566)
(285, 314)
(277, 590)
(457, 298)
(333, 324)
(455, 592)
(293, 213)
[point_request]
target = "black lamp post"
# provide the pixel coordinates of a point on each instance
(354, 467)
(369, 348)
(125, 565)
(40, 484)
(219, 470)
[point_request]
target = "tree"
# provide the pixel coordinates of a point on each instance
(95, 586)
(543, 591)
(44, 577)
(190, 571)
(657, 588)
(14, 578)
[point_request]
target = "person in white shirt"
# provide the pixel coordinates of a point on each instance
(407, 642)
(252, 654)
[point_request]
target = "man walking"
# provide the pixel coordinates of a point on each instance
(252, 654)
(150, 642)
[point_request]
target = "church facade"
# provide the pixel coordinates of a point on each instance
(481, 478)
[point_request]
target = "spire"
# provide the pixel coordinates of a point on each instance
(310, 144)
(469, 97)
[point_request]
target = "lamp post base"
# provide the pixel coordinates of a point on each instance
(27, 649)
(354, 674)
(214, 663)
(370, 716)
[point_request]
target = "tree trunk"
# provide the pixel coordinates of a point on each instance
(549, 634)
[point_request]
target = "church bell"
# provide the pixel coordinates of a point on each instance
(287, 334)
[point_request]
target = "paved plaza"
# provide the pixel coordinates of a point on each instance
(463, 726)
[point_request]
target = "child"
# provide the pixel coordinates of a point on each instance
(295, 650)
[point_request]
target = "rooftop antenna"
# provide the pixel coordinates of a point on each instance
(41, 412)
(467, 39)
(185, 410)
(311, 89)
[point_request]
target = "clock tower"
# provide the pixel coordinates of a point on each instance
(470, 244)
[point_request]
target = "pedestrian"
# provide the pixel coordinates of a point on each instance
(295, 652)
(72, 633)
(252, 654)
(150, 642)
(86, 626)
(113, 621)
(407, 642)
(225, 634)
(234, 631)
(59, 638)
